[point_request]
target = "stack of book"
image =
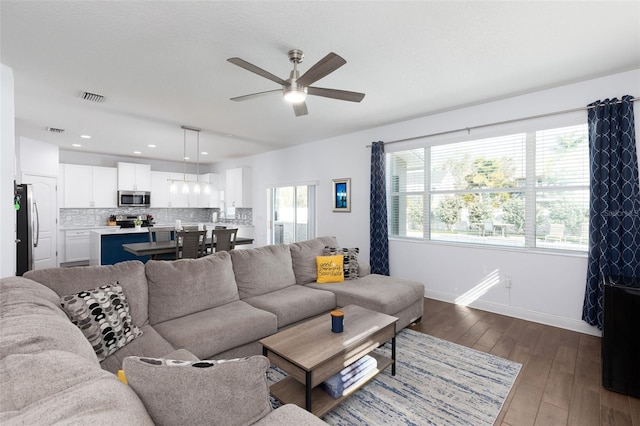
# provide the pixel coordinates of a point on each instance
(350, 377)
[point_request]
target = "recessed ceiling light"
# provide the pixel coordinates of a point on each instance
(204, 153)
(151, 145)
(137, 152)
(186, 158)
(77, 145)
(85, 136)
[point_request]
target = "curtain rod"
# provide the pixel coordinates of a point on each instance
(497, 123)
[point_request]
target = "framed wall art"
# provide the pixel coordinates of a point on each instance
(341, 195)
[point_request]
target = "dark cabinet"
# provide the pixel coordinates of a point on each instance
(621, 336)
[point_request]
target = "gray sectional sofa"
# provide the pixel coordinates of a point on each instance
(215, 307)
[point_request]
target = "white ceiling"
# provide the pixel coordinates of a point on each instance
(162, 65)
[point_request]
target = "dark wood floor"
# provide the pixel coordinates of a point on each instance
(560, 380)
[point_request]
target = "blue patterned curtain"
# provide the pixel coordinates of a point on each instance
(614, 215)
(378, 236)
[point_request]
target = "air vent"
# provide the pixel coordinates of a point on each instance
(92, 97)
(54, 130)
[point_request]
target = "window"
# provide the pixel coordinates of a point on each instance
(292, 213)
(528, 189)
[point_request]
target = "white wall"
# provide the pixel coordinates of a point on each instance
(7, 166)
(36, 157)
(546, 288)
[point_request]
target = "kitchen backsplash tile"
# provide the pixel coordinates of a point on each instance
(70, 218)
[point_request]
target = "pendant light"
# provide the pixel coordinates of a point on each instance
(185, 183)
(196, 186)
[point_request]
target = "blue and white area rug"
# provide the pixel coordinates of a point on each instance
(436, 383)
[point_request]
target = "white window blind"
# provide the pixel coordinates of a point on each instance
(527, 189)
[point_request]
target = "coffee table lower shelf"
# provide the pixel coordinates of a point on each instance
(291, 391)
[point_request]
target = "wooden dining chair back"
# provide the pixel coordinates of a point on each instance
(225, 238)
(190, 244)
(160, 233)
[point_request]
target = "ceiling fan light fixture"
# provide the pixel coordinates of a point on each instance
(295, 96)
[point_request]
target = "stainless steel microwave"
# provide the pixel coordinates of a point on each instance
(134, 198)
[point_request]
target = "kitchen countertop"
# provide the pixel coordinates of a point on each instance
(117, 230)
(86, 228)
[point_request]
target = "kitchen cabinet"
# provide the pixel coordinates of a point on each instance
(134, 177)
(238, 187)
(76, 245)
(162, 194)
(160, 189)
(210, 192)
(89, 186)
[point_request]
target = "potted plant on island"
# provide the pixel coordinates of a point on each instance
(137, 223)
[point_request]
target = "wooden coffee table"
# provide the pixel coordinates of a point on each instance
(310, 353)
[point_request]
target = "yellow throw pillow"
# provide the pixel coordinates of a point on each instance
(330, 269)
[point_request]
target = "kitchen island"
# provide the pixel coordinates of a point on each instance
(105, 245)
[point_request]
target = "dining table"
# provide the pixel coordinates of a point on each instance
(166, 247)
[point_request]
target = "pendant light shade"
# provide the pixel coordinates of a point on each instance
(187, 186)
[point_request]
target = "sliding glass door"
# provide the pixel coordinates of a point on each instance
(291, 213)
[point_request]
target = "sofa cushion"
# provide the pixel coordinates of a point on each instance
(53, 371)
(149, 344)
(303, 257)
(31, 321)
(294, 303)
(290, 414)
(102, 314)
(20, 296)
(350, 262)
(104, 400)
(261, 270)
(330, 269)
(186, 286)
(376, 292)
(129, 274)
(209, 332)
(233, 392)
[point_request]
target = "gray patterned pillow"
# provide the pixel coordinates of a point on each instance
(102, 314)
(223, 392)
(350, 263)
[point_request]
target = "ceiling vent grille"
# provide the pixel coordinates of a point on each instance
(54, 130)
(92, 97)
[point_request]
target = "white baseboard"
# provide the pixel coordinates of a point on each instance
(525, 314)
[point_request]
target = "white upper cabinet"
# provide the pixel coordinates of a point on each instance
(238, 187)
(134, 177)
(105, 190)
(160, 189)
(89, 186)
(210, 190)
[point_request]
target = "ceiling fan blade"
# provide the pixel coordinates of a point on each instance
(322, 68)
(300, 108)
(257, 70)
(255, 95)
(343, 95)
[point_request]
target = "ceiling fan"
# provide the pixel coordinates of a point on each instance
(297, 87)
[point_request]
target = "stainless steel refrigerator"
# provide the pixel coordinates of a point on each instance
(27, 228)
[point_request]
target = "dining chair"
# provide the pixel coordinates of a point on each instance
(225, 238)
(190, 244)
(161, 234)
